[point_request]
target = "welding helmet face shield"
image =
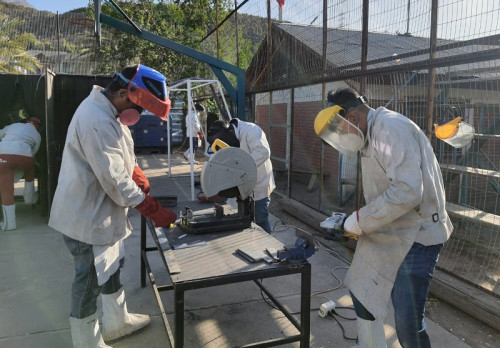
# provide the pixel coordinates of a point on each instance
(147, 89)
(331, 125)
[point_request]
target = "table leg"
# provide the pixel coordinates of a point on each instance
(179, 317)
(305, 306)
(143, 251)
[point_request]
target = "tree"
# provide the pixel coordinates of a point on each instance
(185, 22)
(13, 55)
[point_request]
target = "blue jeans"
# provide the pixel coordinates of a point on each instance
(85, 290)
(261, 212)
(409, 294)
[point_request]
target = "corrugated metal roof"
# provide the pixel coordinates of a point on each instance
(344, 46)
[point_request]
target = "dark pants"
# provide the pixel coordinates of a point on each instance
(261, 212)
(85, 290)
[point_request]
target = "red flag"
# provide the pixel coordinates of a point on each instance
(281, 3)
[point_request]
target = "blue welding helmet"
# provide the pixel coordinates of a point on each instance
(148, 90)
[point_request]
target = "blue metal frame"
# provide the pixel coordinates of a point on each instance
(218, 66)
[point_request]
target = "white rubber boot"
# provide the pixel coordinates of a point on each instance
(371, 334)
(85, 333)
(116, 320)
(29, 194)
(9, 217)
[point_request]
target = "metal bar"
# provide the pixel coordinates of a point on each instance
(364, 45)
(273, 342)
(143, 250)
(424, 64)
(117, 8)
(239, 277)
(305, 305)
(225, 19)
(421, 52)
(158, 299)
(282, 308)
(290, 149)
(179, 317)
(325, 36)
(432, 70)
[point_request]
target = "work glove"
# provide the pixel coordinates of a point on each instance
(153, 210)
(200, 135)
(141, 180)
(351, 226)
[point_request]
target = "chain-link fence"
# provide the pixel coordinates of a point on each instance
(429, 60)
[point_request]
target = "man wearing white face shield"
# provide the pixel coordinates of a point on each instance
(404, 223)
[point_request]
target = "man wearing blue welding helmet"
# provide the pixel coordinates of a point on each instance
(404, 223)
(98, 182)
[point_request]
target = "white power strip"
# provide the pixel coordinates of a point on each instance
(326, 308)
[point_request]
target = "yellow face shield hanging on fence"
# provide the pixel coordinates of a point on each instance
(338, 132)
(456, 133)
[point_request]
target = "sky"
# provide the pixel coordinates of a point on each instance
(60, 6)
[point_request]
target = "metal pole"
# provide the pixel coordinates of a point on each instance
(189, 128)
(362, 90)
(269, 42)
(217, 29)
(432, 70)
(237, 34)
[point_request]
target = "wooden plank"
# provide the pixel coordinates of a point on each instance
(473, 301)
(472, 214)
(470, 170)
(478, 304)
(173, 267)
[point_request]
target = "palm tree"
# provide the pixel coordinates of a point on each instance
(13, 55)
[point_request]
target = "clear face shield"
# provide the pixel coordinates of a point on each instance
(338, 132)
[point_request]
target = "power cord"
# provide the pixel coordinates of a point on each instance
(329, 308)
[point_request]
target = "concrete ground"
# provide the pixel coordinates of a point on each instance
(37, 271)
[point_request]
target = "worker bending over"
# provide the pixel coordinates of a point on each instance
(98, 182)
(404, 223)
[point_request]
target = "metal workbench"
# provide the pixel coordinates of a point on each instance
(221, 265)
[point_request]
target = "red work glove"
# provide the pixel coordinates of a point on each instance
(200, 135)
(152, 209)
(141, 180)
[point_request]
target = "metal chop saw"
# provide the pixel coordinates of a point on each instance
(230, 172)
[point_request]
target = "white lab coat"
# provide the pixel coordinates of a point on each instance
(254, 142)
(403, 187)
(95, 187)
(192, 124)
(19, 139)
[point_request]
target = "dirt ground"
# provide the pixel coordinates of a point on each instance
(468, 329)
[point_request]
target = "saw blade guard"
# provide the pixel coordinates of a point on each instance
(228, 168)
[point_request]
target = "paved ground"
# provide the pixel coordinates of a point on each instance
(37, 271)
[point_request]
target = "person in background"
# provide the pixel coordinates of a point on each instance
(193, 129)
(19, 142)
(404, 223)
(98, 182)
(251, 139)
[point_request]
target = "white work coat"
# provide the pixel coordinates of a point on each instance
(20, 139)
(403, 188)
(254, 142)
(193, 125)
(95, 186)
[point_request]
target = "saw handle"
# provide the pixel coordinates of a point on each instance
(218, 144)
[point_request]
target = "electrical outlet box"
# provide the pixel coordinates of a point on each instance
(326, 308)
